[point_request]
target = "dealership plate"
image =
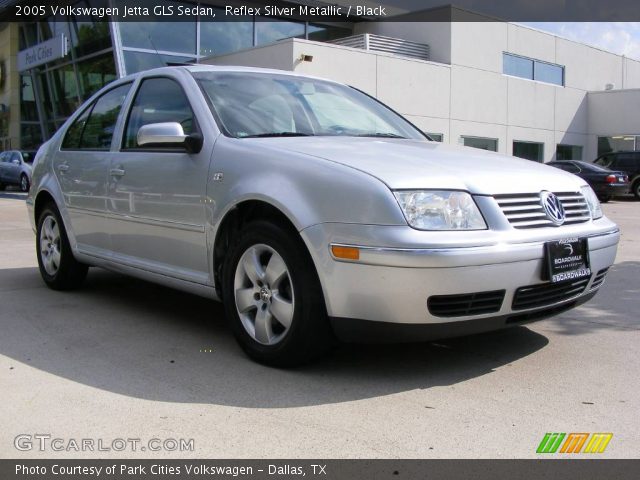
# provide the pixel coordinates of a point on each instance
(567, 259)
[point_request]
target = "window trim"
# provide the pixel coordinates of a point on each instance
(196, 123)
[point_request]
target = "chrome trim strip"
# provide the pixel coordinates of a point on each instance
(454, 256)
(143, 220)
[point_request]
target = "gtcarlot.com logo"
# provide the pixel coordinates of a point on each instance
(44, 442)
(574, 442)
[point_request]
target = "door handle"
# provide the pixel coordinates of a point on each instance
(116, 172)
(63, 167)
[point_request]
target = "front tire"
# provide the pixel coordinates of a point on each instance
(273, 298)
(636, 189)
(24, 183)
(58, 267)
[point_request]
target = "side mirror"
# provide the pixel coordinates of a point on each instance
(169, 134)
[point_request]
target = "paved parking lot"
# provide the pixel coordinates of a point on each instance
(126, 359)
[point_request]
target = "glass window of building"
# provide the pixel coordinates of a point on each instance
(517, 66)
(94, 73)
(64, 90)
(139, 61)
(528, 150)
(158, 100)
(532, 69)
(549, 73)
(274, 30)
(481, 142)
(324, 33)
(618, 143)
(28, 107)
(161, 35)
(436, 137)
(219, 38)
(569, 152)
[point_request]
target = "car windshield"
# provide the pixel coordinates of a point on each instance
(271, 105)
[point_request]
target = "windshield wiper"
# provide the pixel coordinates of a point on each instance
(381, 135)
(279, 134)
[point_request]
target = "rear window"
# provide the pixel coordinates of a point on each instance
(93, 130)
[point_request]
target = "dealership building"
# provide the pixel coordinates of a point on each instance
(487, 84)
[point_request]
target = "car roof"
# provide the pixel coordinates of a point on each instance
(221, 68)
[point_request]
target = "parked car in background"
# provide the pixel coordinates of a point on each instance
(627, 162)
(15, 169)
(605, 182)
(311, 210)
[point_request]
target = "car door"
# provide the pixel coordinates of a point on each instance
(157, 195)
(82, 165)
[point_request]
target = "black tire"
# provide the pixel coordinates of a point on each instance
(309, 334)
(69, 273)
(636, 189)
(24, 183)
(604, 198)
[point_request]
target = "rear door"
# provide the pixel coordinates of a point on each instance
(157, 196)
(82, 165)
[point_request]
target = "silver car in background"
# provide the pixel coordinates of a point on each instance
(311, 210)
(15, 169)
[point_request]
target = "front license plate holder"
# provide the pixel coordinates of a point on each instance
(567, 259)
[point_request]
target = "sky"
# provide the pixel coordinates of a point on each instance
(622, 38)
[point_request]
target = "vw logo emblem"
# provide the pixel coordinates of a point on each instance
(552, 207)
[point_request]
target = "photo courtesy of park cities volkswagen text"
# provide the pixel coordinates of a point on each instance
(335, 239)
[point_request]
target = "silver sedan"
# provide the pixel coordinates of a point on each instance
(311, 210)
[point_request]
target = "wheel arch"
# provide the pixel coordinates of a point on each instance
(239, 215)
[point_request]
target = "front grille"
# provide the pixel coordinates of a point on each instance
(465, 304)
(524, 210)
(546, 294)
(598, 280)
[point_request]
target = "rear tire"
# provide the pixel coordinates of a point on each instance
(58, 267)
(273, 298)
(604, 198)
(636, 189)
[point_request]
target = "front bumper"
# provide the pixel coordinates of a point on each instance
(393, 284)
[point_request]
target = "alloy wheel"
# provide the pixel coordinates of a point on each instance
(263, 294)
(50, 249)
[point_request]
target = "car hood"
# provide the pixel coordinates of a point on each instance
(415, 164)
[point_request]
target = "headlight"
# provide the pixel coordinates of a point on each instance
(440, 210)
(593, 202)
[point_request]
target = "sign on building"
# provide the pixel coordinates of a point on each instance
(42, 53)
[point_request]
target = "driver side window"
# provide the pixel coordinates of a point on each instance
(158, 100)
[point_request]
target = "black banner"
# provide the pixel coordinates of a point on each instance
(320, 469)
(315, 11)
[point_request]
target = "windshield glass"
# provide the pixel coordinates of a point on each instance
(271, 105)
